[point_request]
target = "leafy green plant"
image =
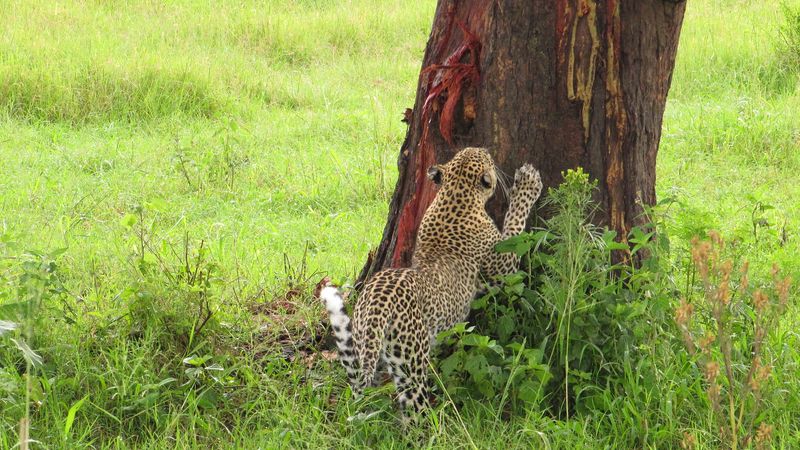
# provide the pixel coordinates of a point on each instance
(34, 278)
(215, 164)
(759, 216)
(569, 319)
(479, 367)
(186, 165)
(186, 270)
(229, 157)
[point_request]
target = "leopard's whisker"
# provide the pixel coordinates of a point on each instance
(502, 180)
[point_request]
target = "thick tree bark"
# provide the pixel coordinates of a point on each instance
(558, 83)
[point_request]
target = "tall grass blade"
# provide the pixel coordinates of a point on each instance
(71, 415)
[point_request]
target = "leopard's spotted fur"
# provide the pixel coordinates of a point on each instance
(401, 311)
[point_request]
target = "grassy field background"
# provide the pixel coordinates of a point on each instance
(255, 143)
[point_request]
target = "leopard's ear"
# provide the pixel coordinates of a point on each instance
(435, 174)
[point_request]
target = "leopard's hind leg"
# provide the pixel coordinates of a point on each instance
(407, 356)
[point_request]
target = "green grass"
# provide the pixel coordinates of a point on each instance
(266, 133)
(731, 131)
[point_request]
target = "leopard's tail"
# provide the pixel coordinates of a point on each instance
(342, 330)
(369, 342)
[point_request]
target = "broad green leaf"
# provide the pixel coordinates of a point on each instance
(71, 415)
(475, 340)
(129, 220)
(534, 356)
(478, 367)
(505, 326)
(486, 388)
(208, 399)
(195, 360)
(519, 245)
(451, 363)
(530, 391)
(36, 392)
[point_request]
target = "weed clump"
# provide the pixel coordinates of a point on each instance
(724, 326)
(789, 46)
(151, 351)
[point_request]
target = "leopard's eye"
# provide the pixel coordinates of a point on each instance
(486, 180)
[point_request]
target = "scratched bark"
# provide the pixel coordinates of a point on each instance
(558, 83)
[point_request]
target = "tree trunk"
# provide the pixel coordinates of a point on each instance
(558, 83)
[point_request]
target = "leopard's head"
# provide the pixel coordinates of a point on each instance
(470, 173)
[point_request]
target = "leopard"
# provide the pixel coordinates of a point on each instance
(401, 310)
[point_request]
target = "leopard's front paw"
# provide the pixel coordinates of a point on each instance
(527, 178)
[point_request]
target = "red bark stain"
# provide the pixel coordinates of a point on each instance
(563, 19)
(449, 81)
(411, 215)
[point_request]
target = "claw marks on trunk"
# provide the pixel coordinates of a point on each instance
(411, 215)
(446, 82)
